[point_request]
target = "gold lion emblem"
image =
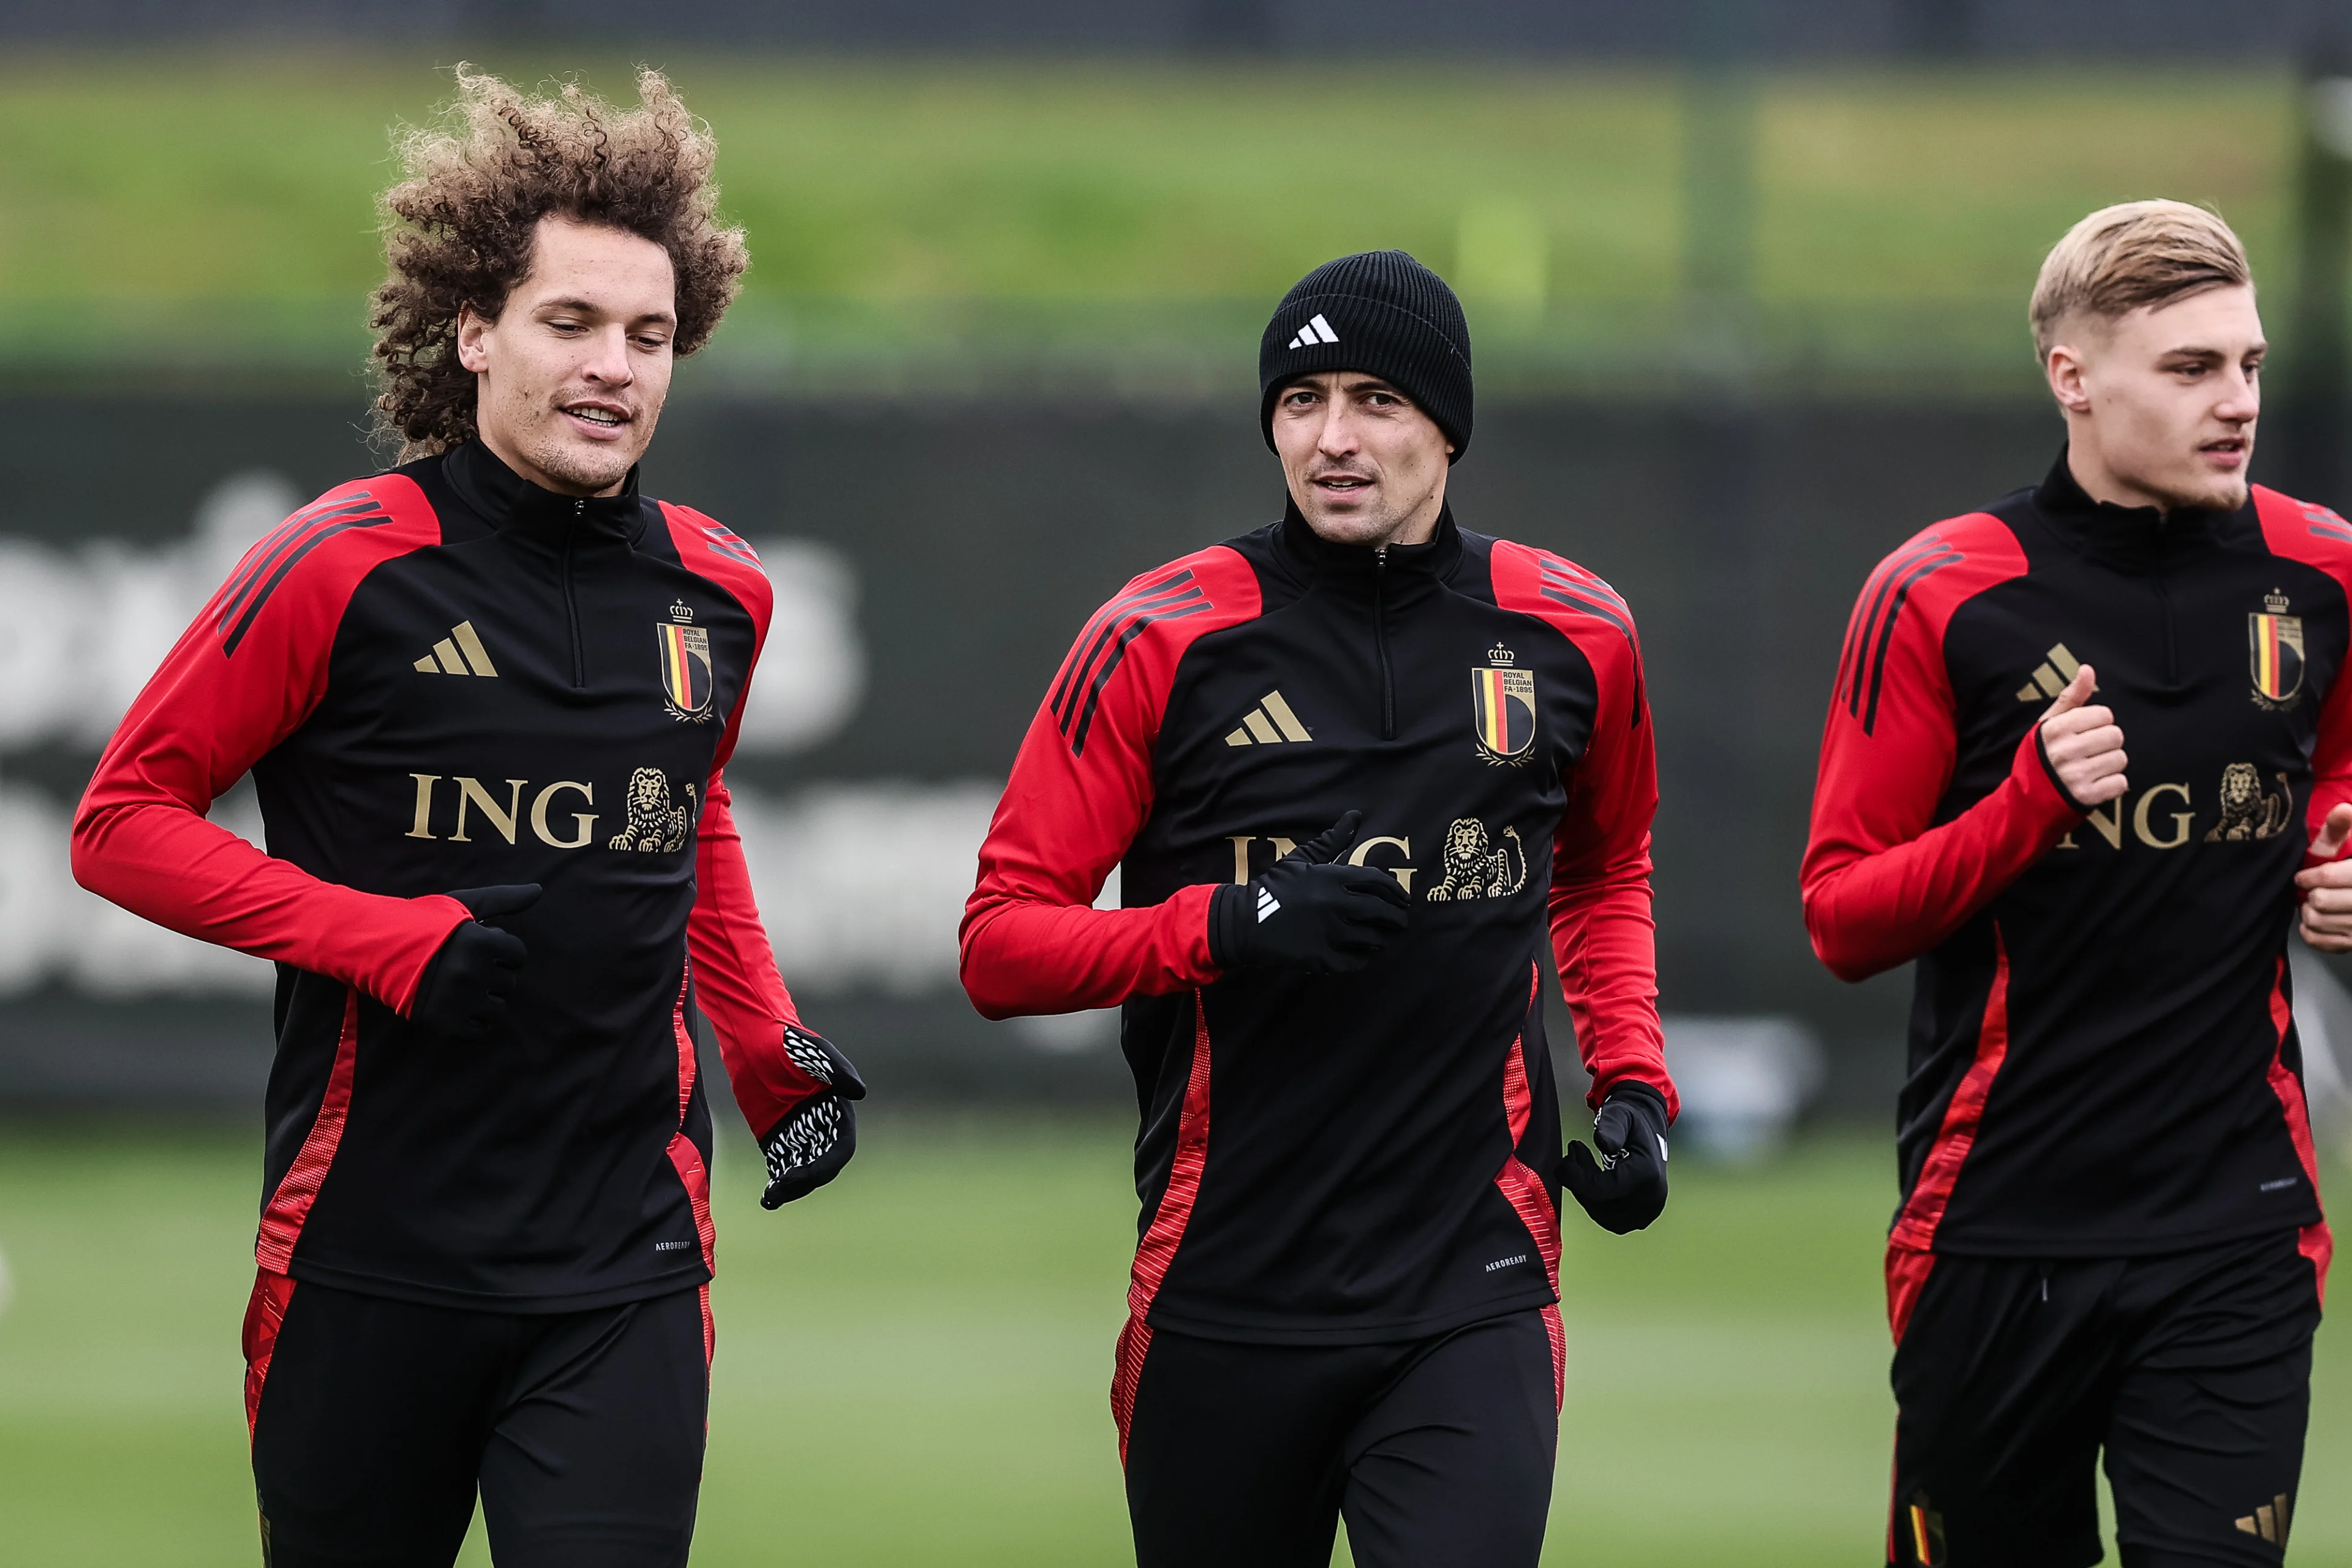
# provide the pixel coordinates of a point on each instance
(2248, 811)
(1476, 870)
(654, 825)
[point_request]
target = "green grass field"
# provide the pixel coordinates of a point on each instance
(912, 1366)
(154, 204)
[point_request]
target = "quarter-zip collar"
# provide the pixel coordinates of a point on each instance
(2136, 539)
(1403, 572)
(513, 504)
(1382, 580)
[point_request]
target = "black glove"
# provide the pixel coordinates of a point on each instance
(466, 986)
(1625, 1189)
(809, 1146)
(1307, 913)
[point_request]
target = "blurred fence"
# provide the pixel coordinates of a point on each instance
(932, 561)
(1781, 29)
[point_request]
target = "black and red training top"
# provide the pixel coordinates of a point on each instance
(444, 677)
(1349, 1158)
(2102, 1054)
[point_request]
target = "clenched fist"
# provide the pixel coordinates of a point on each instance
(2326, 889)
(2085, 745)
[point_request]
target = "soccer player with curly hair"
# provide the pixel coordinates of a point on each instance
(502, 874)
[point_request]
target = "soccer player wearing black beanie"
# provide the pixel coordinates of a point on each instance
(1338, 878)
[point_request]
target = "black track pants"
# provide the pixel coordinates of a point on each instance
(376, 1420)
(2191, 1371)
(1438, 1452)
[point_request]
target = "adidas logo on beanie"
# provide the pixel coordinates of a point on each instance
(1317, 330)
(1381, 313)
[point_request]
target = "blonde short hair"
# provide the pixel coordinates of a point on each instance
(2129, 255)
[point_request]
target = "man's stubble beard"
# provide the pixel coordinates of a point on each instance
(2232, 498)
(1370, 528)
(559, 464)
(2214, 496)
(1362, 528)
(594, 470)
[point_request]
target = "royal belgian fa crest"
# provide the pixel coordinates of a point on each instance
(1503, 707)
(2275, 652)
(685, 667)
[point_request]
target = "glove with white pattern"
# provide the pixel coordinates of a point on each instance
(809, 1147)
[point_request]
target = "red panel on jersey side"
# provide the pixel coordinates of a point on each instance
(290, 1205)
(1524, 1190)
(683, 1154)
(1932, 1194)
(1167, 1231)
(2316, 1242)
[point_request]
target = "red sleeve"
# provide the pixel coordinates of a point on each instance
(735, 979)
(2331, 757)
(2315, 536)
(1881, 884)
(736, 983)
(1604, 937)
(1081, 787)
(243, 678)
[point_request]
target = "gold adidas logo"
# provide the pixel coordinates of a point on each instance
(1269, 723)
(2269, 1521)
(460, 653)
(2051, 677)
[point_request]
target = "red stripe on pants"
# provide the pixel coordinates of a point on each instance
(265, 1314)
(1906, 1276)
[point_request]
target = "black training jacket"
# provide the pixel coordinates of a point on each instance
(2102, 1054)
(1362, 1157)
(443, 677)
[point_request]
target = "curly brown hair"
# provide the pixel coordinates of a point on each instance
(458, 229)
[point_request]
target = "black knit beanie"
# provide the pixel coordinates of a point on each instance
(1381, 313)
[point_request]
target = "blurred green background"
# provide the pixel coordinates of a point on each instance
(160, 208)
(914, 1365)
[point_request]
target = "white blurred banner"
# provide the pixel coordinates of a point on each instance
(81, 631)
(861, 886)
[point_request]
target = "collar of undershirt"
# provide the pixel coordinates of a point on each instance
(1352, 568)
(2129, 538)
(511, 503)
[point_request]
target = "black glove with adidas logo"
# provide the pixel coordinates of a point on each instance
(466, 986)
(1625, 1189)
(1308, 912)
(815, 1140)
